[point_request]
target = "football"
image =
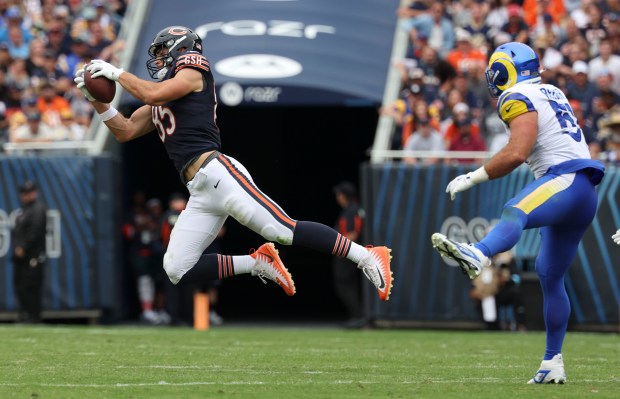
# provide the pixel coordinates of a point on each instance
(101, 88)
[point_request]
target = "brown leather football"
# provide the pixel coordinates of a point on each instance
(101, 88)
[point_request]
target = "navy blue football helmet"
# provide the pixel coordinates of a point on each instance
(177, 39)
(512, 63)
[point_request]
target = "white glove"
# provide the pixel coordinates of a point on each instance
(461, 183)
(101, 68)
(465, 182)
(79, 81)
(616, 237)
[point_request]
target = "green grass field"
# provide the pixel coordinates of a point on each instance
(255, 362)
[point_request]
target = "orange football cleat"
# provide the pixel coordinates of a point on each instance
(269, 265)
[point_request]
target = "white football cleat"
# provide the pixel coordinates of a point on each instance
(550, 372)
(376, 268)
(470, 259)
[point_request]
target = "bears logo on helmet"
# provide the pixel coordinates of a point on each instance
(178, 40)
(511, 63)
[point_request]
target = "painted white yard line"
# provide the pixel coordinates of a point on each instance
(517, 381)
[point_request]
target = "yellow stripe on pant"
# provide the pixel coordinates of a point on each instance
(546, 190)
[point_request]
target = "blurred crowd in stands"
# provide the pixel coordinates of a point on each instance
(444, 102)
(42, 42)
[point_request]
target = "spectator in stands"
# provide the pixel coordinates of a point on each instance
(550, 57)
(594, 31)
(48, 72)
(611, 21)
(428, 63)
(50, 104)
(61, 18)
(58, 39)
(29, 254)
(417, 79)
(609, 136)
(436, 27)
(577, 50)
(35, 55)
(423, 110)
(17, 75)
(581, 15)
(34, 131)
(535, 11)
(79, 54)
(70, 129)
(460, 112)
(401, 112)
(414, 96)
(516, 26)
(411, 11)
(606, 61)
(97, 40)
(14, 101)
(569, 34)
(107, 20)
(547, 27)
(580, 88)
(18, 47)
(478, 28)
(425, 138)
(497, 17)
(27, 104)
(466, 141)
(13, 18)
(463, 82)
(465, 58)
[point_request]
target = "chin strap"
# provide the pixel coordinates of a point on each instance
(162, 73)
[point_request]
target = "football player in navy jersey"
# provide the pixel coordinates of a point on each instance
(561, 201)
(181, 107)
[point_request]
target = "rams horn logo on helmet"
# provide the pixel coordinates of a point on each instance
(511, 63)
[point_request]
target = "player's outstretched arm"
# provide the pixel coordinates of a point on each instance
(184, 82)
(126, 129)
(123, 129)
(616, 237)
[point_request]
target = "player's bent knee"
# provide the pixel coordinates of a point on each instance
(173, 272)
(279, 234)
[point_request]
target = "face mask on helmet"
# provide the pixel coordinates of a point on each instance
(167, 46)
(510, 64)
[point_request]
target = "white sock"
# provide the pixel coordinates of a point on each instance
(356, 252)
(242, 264)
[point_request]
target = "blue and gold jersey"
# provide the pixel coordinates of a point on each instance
(187, 126)
(559, 138)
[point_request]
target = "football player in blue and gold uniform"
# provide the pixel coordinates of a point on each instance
(561, 201)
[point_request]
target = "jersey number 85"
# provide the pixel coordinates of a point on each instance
(164, 121)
